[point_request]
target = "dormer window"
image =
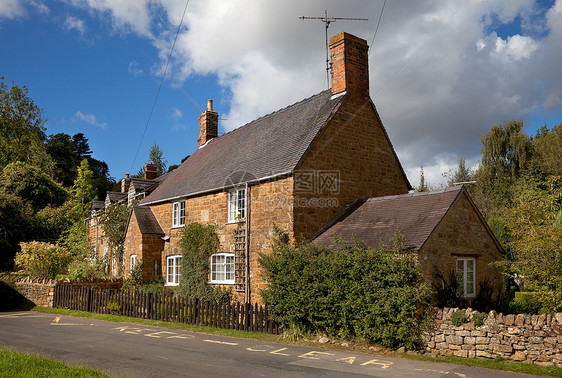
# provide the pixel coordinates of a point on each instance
(178, 217)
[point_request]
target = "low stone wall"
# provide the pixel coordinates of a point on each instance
(533, 339)
(42, 291)
(39, 291)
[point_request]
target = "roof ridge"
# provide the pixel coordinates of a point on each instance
(416, 194)
(307, 99)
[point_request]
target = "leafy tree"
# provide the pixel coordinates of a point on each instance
(423, 186)
(82, 192)
(62, 149)
(548, 146)
(114, 223)
(101, 181)
(22, 129)
(76, 240)
(156, 157)
(32, 185)
(16, 223)
(534, 240)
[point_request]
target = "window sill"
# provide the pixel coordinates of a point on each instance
(178, 226)
(171, 284)
(221, 282)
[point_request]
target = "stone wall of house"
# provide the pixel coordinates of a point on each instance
(462, 233)
(533, 339)
(133, 244)
(269, 203)
(353, 146)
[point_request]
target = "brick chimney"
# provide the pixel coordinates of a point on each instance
(208, 125)
(125, 183)
(150, 172)
(350, 66)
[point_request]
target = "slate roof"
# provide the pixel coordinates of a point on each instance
(116, 196)
(147, 221)
(98, 205)
(141, 184)
(267, 147)
(375, 220)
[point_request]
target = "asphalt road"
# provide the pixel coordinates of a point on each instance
(137, 351)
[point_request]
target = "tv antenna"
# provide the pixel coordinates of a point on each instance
(327, 20)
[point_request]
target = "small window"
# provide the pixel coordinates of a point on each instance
(178, 219)
(132, 262)
(173, 266)
(157, 268)
(222, 268)
(236, 205)
(466, 276)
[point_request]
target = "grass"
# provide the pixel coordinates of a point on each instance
(496, 364)
(16, 364)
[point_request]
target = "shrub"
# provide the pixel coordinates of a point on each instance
(133, 282)
(458, 318)
(478, 318)
(350, 291)
(198, 242)
(42, 260)
(525, 303)
(86, 268)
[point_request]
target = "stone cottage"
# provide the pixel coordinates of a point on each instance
(296, 168)
(444, 228)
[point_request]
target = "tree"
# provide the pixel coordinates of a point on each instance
(22, 129)
(461, 174)
(82, 193)
(43, 260)
(156, 157)
(81, 146)
(15, 225)
(548, 146)
(114, 223)
(32, 185)
(62, 149)
(423, 186)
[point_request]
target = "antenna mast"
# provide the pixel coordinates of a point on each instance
(327, 20)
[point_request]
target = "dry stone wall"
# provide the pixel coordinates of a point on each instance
(533, 339)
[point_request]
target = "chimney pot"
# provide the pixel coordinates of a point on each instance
(208, 125)
(150, 171)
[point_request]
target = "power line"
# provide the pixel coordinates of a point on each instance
(160, 86)
(377, 29)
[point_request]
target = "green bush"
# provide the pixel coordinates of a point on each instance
(86, 268)
(458, 318)
(525, 303)
(346, 292)
(42, 260)
(198, 242)
(478, 318)
(133, 282)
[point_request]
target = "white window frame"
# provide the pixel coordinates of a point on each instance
(173, 270)
(222, 268)
(236, 205)
(466, 272)
(132, 262)
(178, 214)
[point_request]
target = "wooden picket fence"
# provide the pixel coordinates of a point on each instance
(238, 316)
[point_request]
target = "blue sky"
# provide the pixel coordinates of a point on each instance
(441, 72)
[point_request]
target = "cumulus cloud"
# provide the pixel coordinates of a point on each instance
(74, 23)
(89, 119)
(11, 9)
(440, 73)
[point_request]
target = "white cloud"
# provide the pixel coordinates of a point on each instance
(439, 77)
(135, 69)
(176, 113)
(89, 119)
(11, 9)
(75, 23)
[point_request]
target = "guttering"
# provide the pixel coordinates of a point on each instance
(251, 182)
